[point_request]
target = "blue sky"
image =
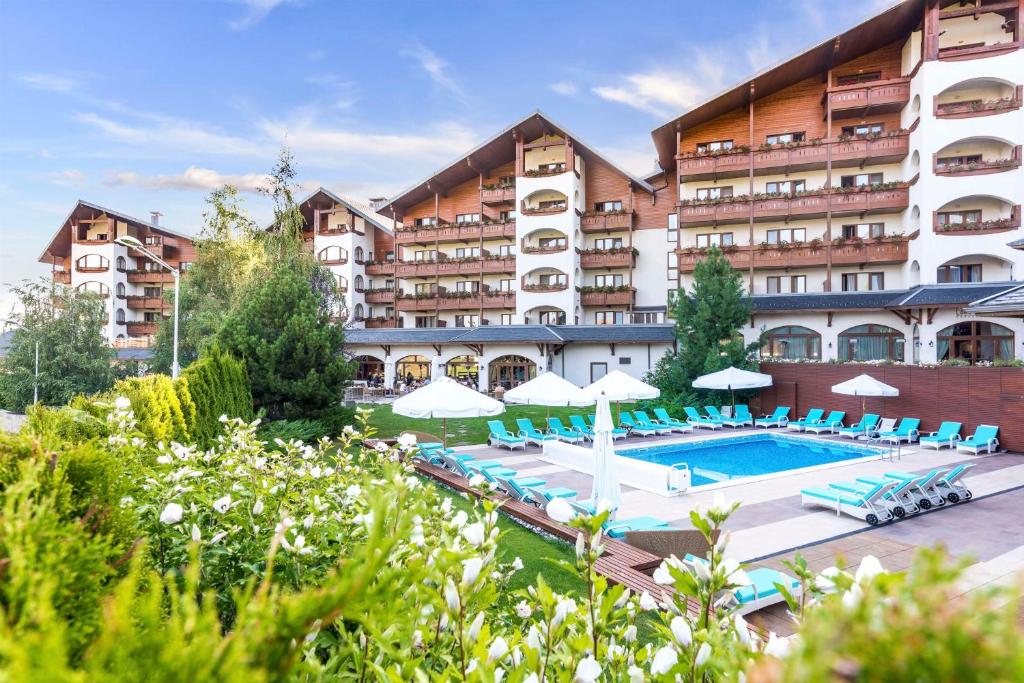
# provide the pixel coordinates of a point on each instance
(145, 105)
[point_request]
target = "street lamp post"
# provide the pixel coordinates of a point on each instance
(128, 241)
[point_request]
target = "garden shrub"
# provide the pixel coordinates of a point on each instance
(219, 385)
(79, 421)
(158, 410)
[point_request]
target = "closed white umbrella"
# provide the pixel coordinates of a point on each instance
(437, 368)
(389, 372)
(548, 389)
(444, 398)
(732, 379)
(864, 386)
(606, 475)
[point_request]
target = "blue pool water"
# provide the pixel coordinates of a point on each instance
(716, 460)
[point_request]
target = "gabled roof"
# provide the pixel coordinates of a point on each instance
(62, 237)
(517, 334)
(952, 294)
(368, 214)
(1007, 302)
(496, 150)
(881, 29)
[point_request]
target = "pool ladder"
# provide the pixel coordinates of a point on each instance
(677, 479)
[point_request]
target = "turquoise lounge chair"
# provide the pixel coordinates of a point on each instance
(762, 592)
(923, 490)
(500, 436)
(900, 499)
(516, 490)
(743, 413)
(812, 417)
(866, 424)
(556, 427)
(698, 420)
(830, 424)
(906, 431)
(468, 468)
(666, 419)
(863, 504)
(493, 475)
(542, 496)
(579, 423)
(531, 433)
(617, 528)
(715, 414)
(617, 432)
(640, 417)
(780, 418)
(638, 429)
(950, 486)
(947, 436)
(983, 439)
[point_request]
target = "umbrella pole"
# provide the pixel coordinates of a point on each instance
(444, 431)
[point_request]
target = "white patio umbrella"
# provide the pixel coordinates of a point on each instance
(864, 386)
(437, 368)
(618, 386)
(444, 398)
(389, 372)
(732, 379)
(548, 389)
(606, 475)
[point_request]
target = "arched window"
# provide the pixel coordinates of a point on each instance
(119, 316)
(412, 369)
(974, 341)
(792, 342)
(92, 263)
(333, 254)
(510, 371)
(342, 283)
(871, 342)
(367, 366)
(122, 264)
(463, 369)
(359, 255)
(120, 290)
(94, 287)
(358, 312)
(359, 283)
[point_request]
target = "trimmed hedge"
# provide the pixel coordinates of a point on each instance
(218, 385)
(157, 406)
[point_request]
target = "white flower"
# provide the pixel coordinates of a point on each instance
(451, 596)
(629, 635)
(497, 650)
(218, 537)
(122, 403)
(474, 627)
(517, 564)
(663, 576)
(664, 660)
(581, 545)
(171, 514)
(471, 570)
(222, 419)
(825, 581)
(776, 647)
(719, 504)
(703, 655)
(222, 504)
(407, 441)
(562, 610)
(417, 639)
(257, 507)
(197, 535)
(560, 511)
(307, 523)
(533, 637)
(460, 519)
(681, 631)
(703, 571)
(532, 678)
(636, 674)
(477, 480)
(416, 537)
(353, 491)
(523, 609)
(647, 603)
(446, 505)
(852, 596)
(475, 534)
(473, 663)
(587, 671)
(164, 459)
(869, 568)
(740, 624)
(348, 430)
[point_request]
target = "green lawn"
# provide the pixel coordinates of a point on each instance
(466, 431)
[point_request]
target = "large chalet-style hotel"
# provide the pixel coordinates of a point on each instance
(869, 189)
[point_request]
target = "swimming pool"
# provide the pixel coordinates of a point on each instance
(717, 460)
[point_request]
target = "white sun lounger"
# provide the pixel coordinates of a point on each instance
(868, 507)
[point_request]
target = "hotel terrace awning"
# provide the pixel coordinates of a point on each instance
(1008, 304)
(879, 30)
(518, 334)
(495, 151)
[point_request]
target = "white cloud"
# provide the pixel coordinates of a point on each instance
(48, 82)
(567, 88)
(255, 12)
(435, 67)
(192, 178)
(71, 177)
(166, 133)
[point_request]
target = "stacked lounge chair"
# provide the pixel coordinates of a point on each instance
(951, 486)
(636, 429)
(539, 495)
(729, 420)
(830, 424)
(947, 436)
(906, 431)
(779, 418)
(640, 418)
(812, 418)
(579, 423)
(984, 438)
(617, 432)
(864, 504)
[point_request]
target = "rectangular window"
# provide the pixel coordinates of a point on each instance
(959, 217)
(153, 291)
(506, 215)
(551, 204)
(788, 235)
(963, 272)
(151, 317)
(506, 285)
(608, 243)
(876, 281)
(608, 206)
(714, 192)
(785, 186)
(608, 280)
(718, 239)
(862, 130)
(774, 284)
(506, 250)
(551, 318)
(467, 252)
(786, 284)
(849, 282)
(467, 321)
(798, 284)
(785, 138)
(861, 180)
(597, 371)
(506, 181)
(958, 161)
(552, 243)
(553, 279)
(425, 221)
(467, 218)
(556, 167)
(645, 318)
(425, 255)
(672, 234)
(506, 318)
(863, 77)
(423, 288)
(863, 231)
(608, 318)
(713, 146)
(426, 321)
(470, 286)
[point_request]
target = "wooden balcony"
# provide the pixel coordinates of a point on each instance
(382, 323)
(379, 296)
(539, 287)
(527, 248)
(983, 167)
(854, 253)
(526, 210)
(141, 328)
(958, 53)
(862, 202)
(380, 268)
(340, 261)
(62, 277)
(623, 297)
(974, 108)
(876, 97)
(149, 276)
(456, 302)
(1012, 222)
(144, 302)
(96, 239)
(809, 156)
(608, 258)
(156, 245)
(498, 195)
(594, 221)
(442, 268)
(340, 230)
(468, 232)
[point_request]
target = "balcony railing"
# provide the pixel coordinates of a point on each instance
(956, 53)
(801, 157)
(142, 275)
(140, 328)
(606, 222)
(337, 261)
(983, 167)
(973, 108)
(498, 195)
(620, 296)
(380, 268)
(608, 258)
(530, 286)
(465, 232)
(379, 296)
(456, 301)
(340, 230)
(528, 210)
(527, 248)
(62, 277)
(469, 266)
(875, 97)
(844, 253)
(886, 198)
(95, 239)
(1012, 222)
(378, 323)
(143, 302)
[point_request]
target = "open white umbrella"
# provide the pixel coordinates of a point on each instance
(444, 398)
(606, 476)
(864, 386)
(732, 379)
(548, 389)
(618, 386)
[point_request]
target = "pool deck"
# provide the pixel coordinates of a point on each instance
(772, 525)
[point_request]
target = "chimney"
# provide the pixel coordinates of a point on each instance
(154, 217)
(377, 202)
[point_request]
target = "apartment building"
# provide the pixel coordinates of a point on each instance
(84, 254)
(869, 188)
